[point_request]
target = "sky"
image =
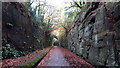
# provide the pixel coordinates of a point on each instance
(57, 3)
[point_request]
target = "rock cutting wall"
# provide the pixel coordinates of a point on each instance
(19, 33)
(95, 34)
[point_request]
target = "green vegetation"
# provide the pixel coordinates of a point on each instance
(8, 51)
(37, 13)
(31, 63)
(9, 24)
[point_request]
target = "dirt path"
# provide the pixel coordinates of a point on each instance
(59, 56)
(54, 58)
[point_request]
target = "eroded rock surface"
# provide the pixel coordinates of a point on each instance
(95, 35)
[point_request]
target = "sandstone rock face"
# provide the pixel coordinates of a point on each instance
(97, 37)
